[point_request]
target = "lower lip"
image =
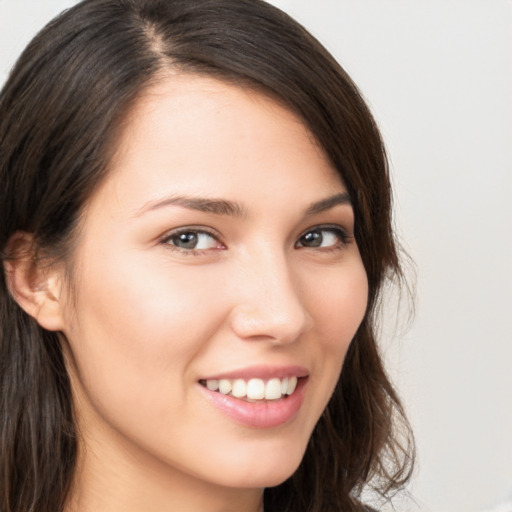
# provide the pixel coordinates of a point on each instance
(264, 414)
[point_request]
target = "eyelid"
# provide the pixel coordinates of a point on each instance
(165, 238)
(345, 235)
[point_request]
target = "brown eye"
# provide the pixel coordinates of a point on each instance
(311, 239)
(323, 237)
(185, 240)
(192, 240)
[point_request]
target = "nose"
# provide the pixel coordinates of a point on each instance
(268, 303)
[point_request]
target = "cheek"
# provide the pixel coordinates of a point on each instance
(154, 302)
(338, 308)
(137, 327)
(339, 304)
(347, 311)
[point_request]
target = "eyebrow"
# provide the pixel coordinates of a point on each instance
(328, 203)
(232, 208)
(215, 206)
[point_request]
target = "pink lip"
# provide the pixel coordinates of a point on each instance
(261, 372)
(264, 414)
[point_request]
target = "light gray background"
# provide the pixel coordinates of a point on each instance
(438, 76)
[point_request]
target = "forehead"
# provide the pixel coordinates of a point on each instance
(204, 136)
(183, 103)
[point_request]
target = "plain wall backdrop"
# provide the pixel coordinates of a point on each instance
(438, 76)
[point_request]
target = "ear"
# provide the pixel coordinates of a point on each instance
(34, 284)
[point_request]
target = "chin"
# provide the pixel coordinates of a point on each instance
(268, 470)
(272, 477)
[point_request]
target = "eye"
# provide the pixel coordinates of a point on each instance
(192, 240)
(323, 237)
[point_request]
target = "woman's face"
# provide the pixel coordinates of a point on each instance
(218, 252)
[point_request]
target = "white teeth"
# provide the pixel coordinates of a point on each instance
(224, 386)
(273, 389)
(254, 389)
(284, 385)
(292, 384)
(212, 385)
(239, 388)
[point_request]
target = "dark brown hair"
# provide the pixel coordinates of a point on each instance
(60, 111)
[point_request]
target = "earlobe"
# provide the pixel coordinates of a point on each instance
(34, 284)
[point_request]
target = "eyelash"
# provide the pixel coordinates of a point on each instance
(343, 237)
(338, 231)
(166, 240)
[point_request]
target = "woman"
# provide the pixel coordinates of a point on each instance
(195, 229)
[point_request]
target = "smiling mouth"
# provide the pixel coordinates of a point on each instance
(253, 389)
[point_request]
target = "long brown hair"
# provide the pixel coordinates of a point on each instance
(60, 112)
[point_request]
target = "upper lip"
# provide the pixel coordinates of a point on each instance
(261, 372)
